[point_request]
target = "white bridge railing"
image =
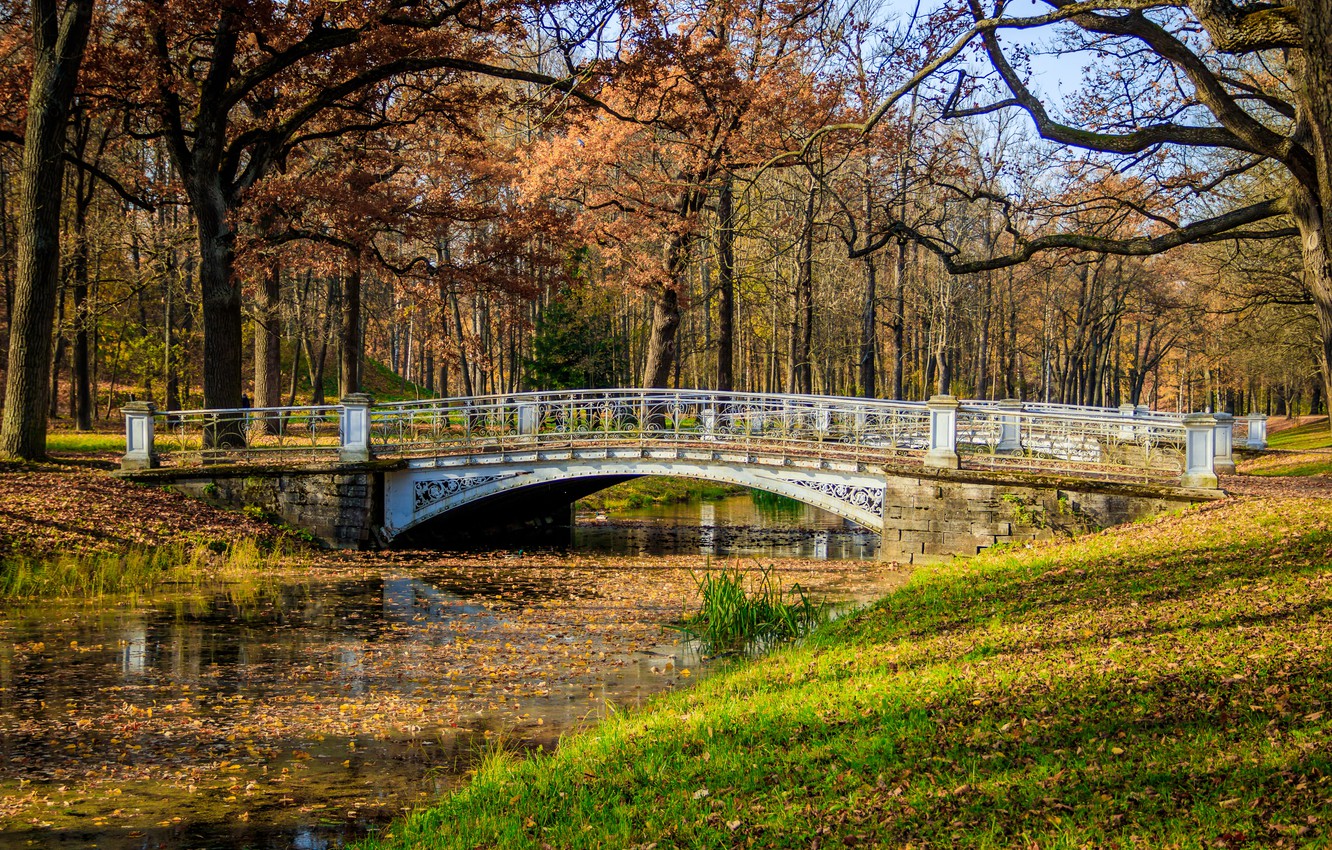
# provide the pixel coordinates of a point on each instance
(1113, 443)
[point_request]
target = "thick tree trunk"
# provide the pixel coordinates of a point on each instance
(1313, 203)
(350, 336)
(59, 38)
(661, 342)
(220, 291)
(666, 316)
(268, 341)
(1310, 220)
(726, 287)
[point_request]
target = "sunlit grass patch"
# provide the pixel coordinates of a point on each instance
(84, 443)
(1293, 463)
(1311, 435)
(1162, 684)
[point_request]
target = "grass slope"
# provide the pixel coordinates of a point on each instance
(1311, 435)
(1156, 685)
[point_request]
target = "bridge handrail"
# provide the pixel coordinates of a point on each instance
(1069, 438)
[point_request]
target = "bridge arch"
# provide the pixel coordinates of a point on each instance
(424, 492)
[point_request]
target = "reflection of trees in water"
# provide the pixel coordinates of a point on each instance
(651, 538)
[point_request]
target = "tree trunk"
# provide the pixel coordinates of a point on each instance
(899, 321)
(1312, 203)
(869, 337)
(726, 287)
(268, 342)
(802, 351)
(661, 342)
(221, 295)
(1310, 220)
(350, 379)
(666, 316)
(59, 38)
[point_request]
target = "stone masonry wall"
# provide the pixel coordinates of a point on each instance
(929, 515)
(341, 507)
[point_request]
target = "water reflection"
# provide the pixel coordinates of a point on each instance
(303, 714)
(752, 524)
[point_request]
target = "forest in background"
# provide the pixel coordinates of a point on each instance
(270, 203)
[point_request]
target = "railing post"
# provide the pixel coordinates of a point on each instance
(1127, 430)
(528, 418)
(1223, 445)
(355, 430)
(1257, 439)
(139, 449)
(1010, 427)
(943, 432)
(1199, 456)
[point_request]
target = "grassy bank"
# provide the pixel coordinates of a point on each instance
(1164, 684)
(88, 575)
(1310, 435)
(656, 490)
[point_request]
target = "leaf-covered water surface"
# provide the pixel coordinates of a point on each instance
(303, 712)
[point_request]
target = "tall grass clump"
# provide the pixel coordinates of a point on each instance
(748, 610)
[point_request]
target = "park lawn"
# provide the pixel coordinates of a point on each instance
(1311, 435)
(75, 442)
(1159, 684)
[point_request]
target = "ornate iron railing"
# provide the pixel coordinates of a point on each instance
(1089, 442)
(185, 437)
(814, 426)
(1075, 443)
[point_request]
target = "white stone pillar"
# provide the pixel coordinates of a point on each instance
(1010, 426)
(1223, 445)
(139, 451)
(1257, 440)
(1128, 431)
(355, 430)
(529, 418)
(943, 432)
(1199, 455)
(707, 419)
(822, 420)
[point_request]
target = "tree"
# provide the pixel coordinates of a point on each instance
(236, 88)
(1199, 98)
(698, 94)
(59, 36)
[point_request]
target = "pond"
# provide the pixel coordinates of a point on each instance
(750, 524)
(303, 710)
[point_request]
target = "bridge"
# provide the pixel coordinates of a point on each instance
(936, 477)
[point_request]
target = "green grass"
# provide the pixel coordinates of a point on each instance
(93, 574)
(744, 610)
(1163, 684)
(1302, 467)
(656, 490)
(1311, 435)
(74, 442)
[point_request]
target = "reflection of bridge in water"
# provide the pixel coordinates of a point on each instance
(393, 469)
